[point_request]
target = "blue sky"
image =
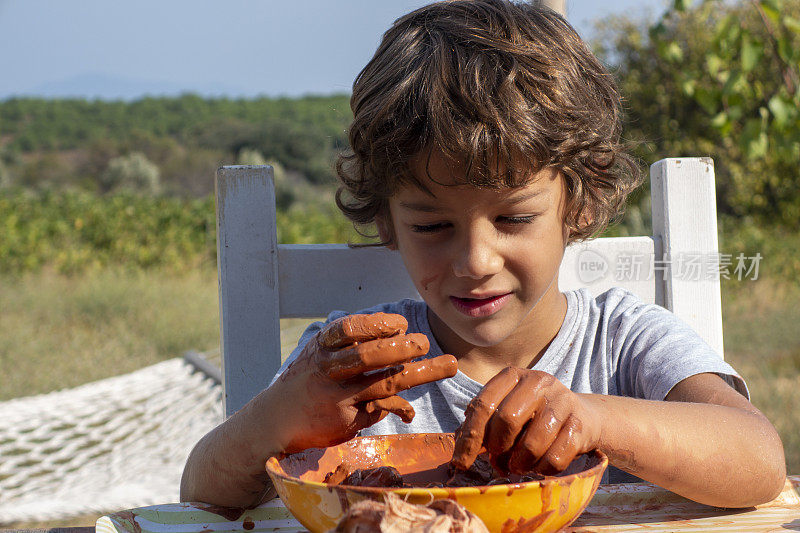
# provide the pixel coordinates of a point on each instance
(113, 49)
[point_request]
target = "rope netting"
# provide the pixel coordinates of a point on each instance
(105, 446)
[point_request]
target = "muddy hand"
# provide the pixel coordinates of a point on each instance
(346, 353)
(348, 377)
(528, 421)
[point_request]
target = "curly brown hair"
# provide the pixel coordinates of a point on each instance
(489, 84)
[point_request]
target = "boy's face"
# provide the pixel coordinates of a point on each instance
(482, 259)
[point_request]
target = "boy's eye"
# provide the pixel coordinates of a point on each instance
(516, 220)
(428, 228)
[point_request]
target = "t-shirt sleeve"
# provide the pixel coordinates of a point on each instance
(656, 350)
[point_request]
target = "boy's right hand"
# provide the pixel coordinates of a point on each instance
(324, 397)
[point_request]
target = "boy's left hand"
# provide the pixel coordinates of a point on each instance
(527, 421)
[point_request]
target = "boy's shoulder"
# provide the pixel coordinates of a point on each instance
(615, 301)
(620, 314)
(622, 317)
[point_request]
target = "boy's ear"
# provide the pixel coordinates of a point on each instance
(386, 232)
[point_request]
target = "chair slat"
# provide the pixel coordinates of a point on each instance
(248, 282)
(600, 264)
(685, 221)
(316, 279)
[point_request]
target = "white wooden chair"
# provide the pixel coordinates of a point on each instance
(261, 281)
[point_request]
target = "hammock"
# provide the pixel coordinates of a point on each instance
(108, 445)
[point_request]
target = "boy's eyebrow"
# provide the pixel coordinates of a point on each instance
(420, 206)
(518, 199)
(424, 207)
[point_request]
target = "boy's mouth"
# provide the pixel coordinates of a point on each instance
(480, 307)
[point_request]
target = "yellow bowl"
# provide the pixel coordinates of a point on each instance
(534, 506)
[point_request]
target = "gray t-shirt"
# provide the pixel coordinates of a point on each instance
(612, 344)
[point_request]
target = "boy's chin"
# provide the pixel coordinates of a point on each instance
(483, 334)
(484, 339)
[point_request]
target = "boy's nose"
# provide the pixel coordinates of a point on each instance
(477, 257)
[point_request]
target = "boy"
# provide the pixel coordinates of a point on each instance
(485, 139)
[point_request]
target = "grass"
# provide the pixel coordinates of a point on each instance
(762, 341)
(60, 331)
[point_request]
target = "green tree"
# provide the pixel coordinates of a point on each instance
(743, 75)
(692, 87)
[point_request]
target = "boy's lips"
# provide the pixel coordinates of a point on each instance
(480, 307)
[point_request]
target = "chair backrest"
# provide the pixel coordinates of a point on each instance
(261, 281)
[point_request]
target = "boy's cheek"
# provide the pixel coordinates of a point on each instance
(428, 282)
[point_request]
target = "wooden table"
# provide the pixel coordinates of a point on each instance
(617, 508)
(645, 507)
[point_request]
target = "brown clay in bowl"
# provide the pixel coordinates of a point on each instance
(548, 504)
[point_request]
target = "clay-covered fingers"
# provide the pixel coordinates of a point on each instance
(388, 382)
(372, 355)
(377, 394)
(372, 412)
(360, 328)
(521, 404)
(392, 404)
(568, 444)
(470, 435)
(539, 435)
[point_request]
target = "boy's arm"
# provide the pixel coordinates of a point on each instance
(227, 466)
(344, 379)
(706, 442)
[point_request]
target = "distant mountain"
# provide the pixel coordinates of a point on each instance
(109, 87)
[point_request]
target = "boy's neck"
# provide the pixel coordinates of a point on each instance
(522, 349)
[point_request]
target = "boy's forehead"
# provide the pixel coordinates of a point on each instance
(415, 199)
(436, 197)
(435, 167)
(435, 171)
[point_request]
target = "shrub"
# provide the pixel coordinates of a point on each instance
(131, 173)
